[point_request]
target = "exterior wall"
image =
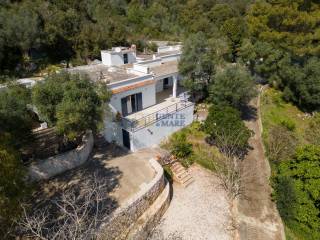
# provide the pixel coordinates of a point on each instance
(112, 130)
(116, 58)
(47, 168)
(159, 84)
(158, 131)
(172, 57)
(148, 96)
(118, 224)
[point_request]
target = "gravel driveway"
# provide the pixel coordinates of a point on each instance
(197, 212)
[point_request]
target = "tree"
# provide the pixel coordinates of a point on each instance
(233, 86)
(302, 173)
(72, 103)
(12, 189)
(21, 27)
(302, 84)
(15, 120)
(226, 129)
(281, 144)
(80, 108)
(197, 64)
(47, 95)
(288, 25)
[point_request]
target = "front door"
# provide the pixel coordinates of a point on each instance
(165, 83)
(126, 138)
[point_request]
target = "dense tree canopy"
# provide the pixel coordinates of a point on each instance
(298, 192)
(233, 86)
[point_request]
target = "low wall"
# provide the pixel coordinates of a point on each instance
(118, 224)
(47, 168)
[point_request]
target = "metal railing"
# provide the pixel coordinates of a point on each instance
(136, 124)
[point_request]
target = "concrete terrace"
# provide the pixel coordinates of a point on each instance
(151, 114)
(123, 173)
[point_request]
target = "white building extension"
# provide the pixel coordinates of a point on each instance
(147, 103)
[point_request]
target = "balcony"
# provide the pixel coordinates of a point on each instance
(154, 113)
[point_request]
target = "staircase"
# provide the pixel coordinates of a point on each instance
(180, 174)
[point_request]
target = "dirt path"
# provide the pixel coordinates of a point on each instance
(259, 218)
(198, 212)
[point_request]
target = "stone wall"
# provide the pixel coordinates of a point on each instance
(47, 168)
(118, 224)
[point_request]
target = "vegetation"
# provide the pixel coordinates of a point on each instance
(226, 129)
(233, 86)
(72, 103)
(193, 136)
(297, 191)
(292, 162)
(12, 189)
(15, 119)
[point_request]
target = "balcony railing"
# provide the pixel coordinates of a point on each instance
(163, 113)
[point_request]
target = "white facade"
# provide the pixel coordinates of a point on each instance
(148, 96)
(133, 120)
(118, 56)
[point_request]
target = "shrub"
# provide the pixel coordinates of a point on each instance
(181, 148)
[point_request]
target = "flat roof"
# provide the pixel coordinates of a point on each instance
(100, 71)
(165, 68)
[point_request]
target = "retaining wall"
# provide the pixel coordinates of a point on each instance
(118, 224)
(47, 168)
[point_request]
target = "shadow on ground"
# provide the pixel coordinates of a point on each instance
(77, 181)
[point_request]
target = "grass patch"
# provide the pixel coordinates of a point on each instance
(202, 153)
(275, 111)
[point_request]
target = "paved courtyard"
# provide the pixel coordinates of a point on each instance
(123, 173)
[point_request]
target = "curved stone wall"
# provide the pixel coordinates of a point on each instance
(118, 224)
(47, 168)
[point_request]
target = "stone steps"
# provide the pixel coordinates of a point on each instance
(181, 174)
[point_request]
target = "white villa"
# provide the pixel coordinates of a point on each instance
(147, 103)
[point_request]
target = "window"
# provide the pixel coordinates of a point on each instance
(125, 58)
(131, 104)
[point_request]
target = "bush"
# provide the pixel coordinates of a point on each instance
(181, 148)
